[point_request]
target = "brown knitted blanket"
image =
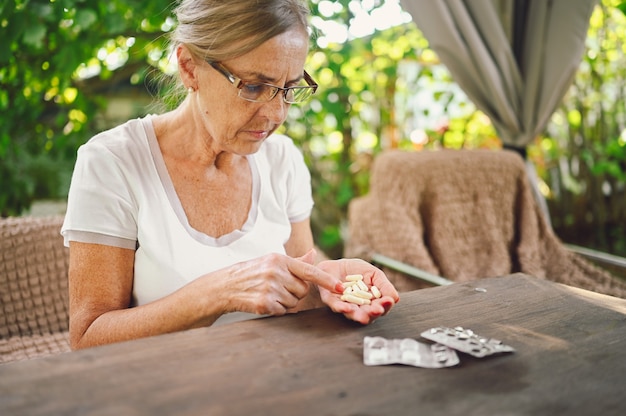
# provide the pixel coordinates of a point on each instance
(463, 215)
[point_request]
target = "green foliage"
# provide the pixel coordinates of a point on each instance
(63, 57)
(60, 60)
(367, 102)
(583, 153)
(57, 58)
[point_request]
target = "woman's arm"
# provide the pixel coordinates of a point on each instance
(300, 240)
(101, 281)
(100, 289)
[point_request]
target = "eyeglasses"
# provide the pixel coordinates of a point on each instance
(260, 92)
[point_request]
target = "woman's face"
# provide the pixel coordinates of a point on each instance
(239, 126)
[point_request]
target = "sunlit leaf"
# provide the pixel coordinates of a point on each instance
(69, 95)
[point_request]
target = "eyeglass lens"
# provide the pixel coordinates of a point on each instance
(266, 92)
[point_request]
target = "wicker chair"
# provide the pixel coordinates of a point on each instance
(33, 288)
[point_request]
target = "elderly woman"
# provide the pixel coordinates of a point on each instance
(175, 220)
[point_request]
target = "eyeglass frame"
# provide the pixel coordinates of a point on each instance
(240, 83)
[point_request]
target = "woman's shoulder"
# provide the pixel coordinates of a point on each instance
(123, 137)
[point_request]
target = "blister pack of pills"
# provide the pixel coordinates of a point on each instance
(465, 340)
(383, 351)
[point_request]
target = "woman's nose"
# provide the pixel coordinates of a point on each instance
(276, 108)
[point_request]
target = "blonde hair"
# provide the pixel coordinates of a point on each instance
(218, 30)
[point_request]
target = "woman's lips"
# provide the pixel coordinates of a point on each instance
(259, 134)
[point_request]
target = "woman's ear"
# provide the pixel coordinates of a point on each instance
(187, 67)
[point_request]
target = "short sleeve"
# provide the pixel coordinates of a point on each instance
(100, 201)
(299, 197)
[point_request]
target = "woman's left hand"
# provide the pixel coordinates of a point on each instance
(372, 276)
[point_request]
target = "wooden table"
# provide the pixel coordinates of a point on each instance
(570, 359)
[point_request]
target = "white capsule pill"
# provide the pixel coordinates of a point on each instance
(355, 299)
(362, 294)
(376, 292)
(354, 277)
(361, 285)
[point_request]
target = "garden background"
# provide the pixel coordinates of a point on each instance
(71, 68)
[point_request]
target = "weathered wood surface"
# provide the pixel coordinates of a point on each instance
(569, 359)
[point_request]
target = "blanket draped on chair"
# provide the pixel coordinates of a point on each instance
(463, 215)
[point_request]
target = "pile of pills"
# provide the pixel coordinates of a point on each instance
(357, 291)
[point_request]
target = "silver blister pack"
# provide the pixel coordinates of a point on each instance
(465, 340)
(407, 351)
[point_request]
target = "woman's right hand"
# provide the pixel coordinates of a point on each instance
(274, 284)
(100, 286)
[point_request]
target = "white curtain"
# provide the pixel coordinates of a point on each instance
(515, 59)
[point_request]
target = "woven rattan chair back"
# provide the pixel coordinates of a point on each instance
(33, 288)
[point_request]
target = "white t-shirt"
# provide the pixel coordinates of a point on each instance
(121, 195)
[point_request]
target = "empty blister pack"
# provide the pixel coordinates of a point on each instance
(382, 351)
(465, 340)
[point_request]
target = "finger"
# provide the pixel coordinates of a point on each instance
(380, 280)
(383, 305)
(288, 302)
(360, 315)
(312, 274)
(298, 288)
(309, 257)
(363, 314)
(338, 306)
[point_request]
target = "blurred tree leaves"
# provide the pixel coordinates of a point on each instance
(379, 88)
(582, 155)
(45, 43)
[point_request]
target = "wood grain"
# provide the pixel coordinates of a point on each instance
(569, 358)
